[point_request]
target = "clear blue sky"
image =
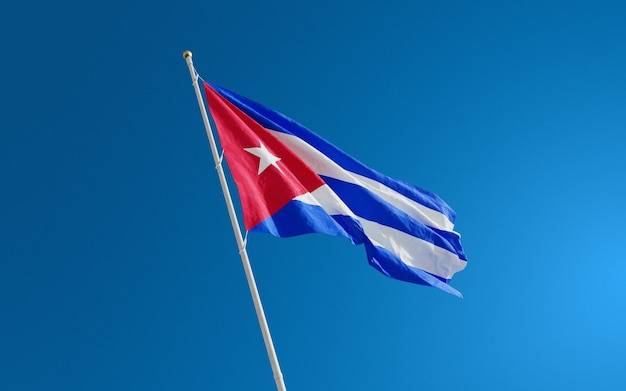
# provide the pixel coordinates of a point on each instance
(118, 267)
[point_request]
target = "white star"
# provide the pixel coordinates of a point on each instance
(266, 158)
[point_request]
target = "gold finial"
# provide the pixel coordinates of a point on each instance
(186, 54)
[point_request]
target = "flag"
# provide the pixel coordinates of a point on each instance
(293, 182)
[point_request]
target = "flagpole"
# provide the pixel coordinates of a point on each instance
(267, 338)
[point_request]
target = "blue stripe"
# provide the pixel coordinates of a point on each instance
(368, 205)
(387, 263)
(271, 119)
(299, 218)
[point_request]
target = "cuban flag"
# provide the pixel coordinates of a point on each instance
(293, 182)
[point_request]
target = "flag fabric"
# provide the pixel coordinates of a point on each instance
(292, 182)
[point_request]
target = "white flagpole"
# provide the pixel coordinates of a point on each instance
(269, 345)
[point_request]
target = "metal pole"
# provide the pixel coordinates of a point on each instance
(269, 345)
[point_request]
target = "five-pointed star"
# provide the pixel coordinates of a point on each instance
(266, 158)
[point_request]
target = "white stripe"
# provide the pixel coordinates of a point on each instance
(325, 197)
(414, 251)
(410, 249)
(323, 165)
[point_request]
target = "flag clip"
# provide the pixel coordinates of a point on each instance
(219, 160)
(244, 243)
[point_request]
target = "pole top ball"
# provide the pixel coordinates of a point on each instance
(186, 54)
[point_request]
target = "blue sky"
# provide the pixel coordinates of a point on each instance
(118, 267)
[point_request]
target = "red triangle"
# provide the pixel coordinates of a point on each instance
(263, 194)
